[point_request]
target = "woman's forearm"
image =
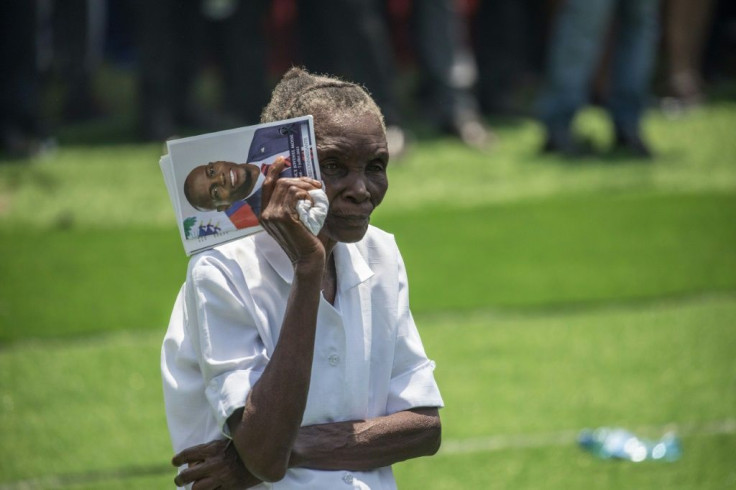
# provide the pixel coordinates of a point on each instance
(265, 430)
(368, 444)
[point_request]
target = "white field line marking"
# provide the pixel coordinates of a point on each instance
(564, 438)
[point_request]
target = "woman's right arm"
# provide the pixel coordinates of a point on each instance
(264, 432)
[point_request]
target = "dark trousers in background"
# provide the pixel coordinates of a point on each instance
(350, 39)
(510, 41)
(173, 38)
(19, 83)
(576, 47)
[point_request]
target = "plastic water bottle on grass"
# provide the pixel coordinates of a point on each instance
(617, 443)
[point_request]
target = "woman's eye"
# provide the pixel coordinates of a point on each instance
(329, 167)
(376, 166)
(215, 194)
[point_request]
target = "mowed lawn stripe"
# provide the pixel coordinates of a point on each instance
(595, 248)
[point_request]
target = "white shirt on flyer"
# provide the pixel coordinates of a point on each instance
(368, 358)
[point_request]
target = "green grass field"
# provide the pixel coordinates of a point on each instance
(554, 296)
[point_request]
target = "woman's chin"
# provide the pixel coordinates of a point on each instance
(346, 233)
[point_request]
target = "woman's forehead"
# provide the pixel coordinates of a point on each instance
(353, 138)
(337, 123)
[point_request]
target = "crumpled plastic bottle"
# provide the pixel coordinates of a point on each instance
(617, 443)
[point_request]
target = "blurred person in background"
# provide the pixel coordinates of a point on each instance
(173, 37)
(352, 38)
(42, 41)
(576, 46)
(22, 130)
(447, 71)
(508, 44)
(686, 26)
(74, 52)
(720, 55)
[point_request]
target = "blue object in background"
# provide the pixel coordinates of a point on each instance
(617, 443)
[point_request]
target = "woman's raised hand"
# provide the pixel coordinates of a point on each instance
(279, 216)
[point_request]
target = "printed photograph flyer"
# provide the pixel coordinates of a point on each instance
(214, 180)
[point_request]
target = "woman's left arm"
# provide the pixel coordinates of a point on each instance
(360, 445)
(364, 445)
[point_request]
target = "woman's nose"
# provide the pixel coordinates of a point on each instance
(356, 188)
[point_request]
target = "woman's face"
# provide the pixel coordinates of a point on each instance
(217, 185)
(353, 157)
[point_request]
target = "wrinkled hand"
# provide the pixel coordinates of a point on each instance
(279, 216)
(214, 465)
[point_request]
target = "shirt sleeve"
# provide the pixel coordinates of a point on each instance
(230, 351)
(412, 376)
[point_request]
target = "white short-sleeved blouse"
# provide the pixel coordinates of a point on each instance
(368, 360)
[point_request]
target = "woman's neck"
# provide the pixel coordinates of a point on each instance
(329, 279)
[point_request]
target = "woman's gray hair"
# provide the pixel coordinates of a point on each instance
(300, 93)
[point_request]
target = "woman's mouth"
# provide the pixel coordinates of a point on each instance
(233, 178)
(352, 219)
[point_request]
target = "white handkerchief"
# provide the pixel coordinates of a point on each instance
(313, 213)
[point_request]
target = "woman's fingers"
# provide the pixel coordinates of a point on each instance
(208, 483)
(197, 453)
(285, 195)
(193, 473)
(279, 215)
(285, 191)
(272, 176)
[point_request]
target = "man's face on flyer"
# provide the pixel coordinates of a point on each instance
(217, 185)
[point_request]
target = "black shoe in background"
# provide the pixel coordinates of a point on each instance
(631, 143)
(564, 143)
(468, 126)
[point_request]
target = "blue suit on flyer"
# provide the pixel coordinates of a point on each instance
(268, 142)
(271, 141)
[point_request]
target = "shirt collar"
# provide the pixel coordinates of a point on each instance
(352, 268)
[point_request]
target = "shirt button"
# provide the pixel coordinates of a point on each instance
(348, 478)
(334, 359)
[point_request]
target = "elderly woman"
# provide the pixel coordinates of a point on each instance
(293, 358)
